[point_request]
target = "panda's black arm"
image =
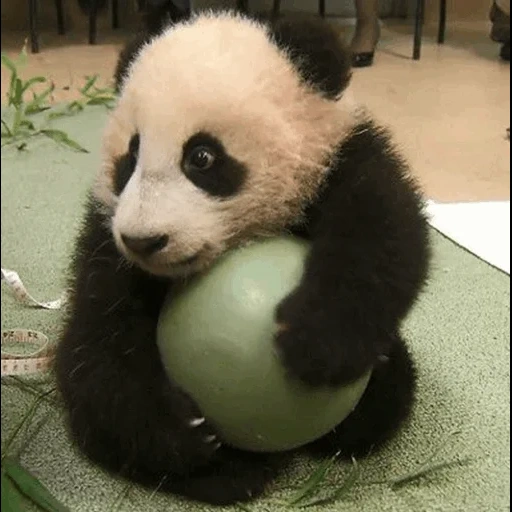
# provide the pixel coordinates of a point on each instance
(368, 262)
(123, 411)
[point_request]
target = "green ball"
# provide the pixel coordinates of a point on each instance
(215, 336)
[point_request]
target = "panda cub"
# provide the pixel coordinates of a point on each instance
(228, 129)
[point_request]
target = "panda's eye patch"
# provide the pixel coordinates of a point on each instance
(125, 164)
(201, 158)
(207, 164)
(133, 147)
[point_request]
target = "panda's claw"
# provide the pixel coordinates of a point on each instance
(210, 439)
(196, 422)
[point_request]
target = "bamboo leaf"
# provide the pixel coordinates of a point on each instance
(11, 498)
(38, 102)
(8, 132)
(91, 80)
(100, 100)
(35, 80)
(29, 124)
(18, 116)
(31, 487)
(75, 106)
(62, 138)
(17, 98)
(9, 64)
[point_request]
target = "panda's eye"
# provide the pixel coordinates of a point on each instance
(200, 158)
(207, 164)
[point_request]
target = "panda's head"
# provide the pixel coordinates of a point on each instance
(223, 132)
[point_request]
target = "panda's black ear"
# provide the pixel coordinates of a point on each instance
(316, 49)
(128, 53)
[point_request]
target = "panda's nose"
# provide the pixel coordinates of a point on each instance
(145, 246)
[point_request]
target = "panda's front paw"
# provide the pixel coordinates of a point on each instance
(206, 434)
(195, 440)
(316, 345)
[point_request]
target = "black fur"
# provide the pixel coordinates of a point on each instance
(368, 263)
(125, 165)
(127, 56)
(158, 14)
(317, 52)
(87, 5)
(225, 178)
(124, 412)
(383, 410)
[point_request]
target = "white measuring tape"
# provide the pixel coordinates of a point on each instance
(39, 359)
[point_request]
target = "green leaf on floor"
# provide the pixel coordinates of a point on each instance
(312, 485)
(11, 497)
(340, 492)
(63, 138)
(31, 487)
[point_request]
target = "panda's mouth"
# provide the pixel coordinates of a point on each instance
(185, 261)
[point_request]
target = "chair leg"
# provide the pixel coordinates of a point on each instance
(276, 9)
(60, 17)
(32, 17)
(418, 28)
(92, 21)
(321, 8)
(115, 14)
(442, 22)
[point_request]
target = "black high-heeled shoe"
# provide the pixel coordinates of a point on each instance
(362, 60)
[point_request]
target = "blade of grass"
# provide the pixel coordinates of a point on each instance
(31, 487)
(339, 493)
(243, 507)
(121, 497)
(311, 486)
(24, 385)
(424, 470)
(30, 412)
(11, 497)
(424, 466)
(440, 446)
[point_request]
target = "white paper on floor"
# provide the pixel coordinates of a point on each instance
(482, 228)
